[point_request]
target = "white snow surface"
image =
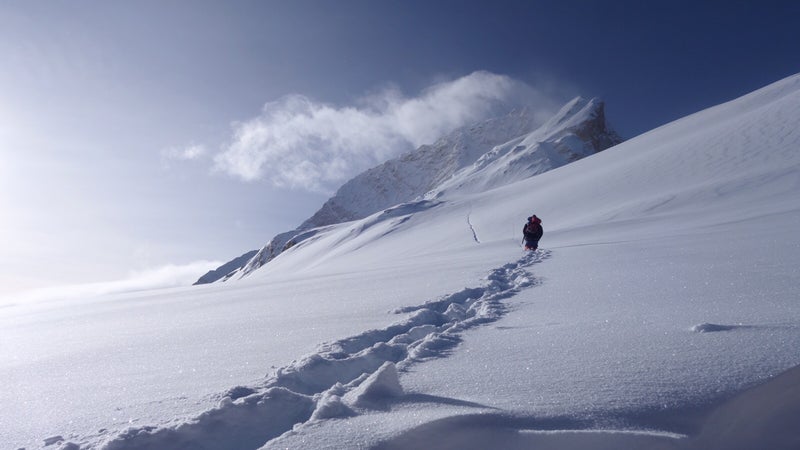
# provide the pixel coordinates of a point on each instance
(401, 179)
(666, 282)
(578, 130)
(520, 150)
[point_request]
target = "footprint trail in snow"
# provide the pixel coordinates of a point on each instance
(341, 377)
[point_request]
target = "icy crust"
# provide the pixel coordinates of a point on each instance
(342, 378)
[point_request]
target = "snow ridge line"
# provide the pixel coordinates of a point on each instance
(342, 377)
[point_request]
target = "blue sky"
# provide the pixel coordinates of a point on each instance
(148, 140)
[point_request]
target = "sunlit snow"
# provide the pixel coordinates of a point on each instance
(665, 284)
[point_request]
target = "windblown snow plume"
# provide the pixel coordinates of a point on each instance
(169, 275)
(297, 142)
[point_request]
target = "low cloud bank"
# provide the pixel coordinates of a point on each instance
(299, 143)
(170, 275)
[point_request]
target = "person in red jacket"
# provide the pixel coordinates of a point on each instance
(532, 231)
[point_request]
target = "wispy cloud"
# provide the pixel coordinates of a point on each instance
(190, 152)
(170, 275)
(297, 142)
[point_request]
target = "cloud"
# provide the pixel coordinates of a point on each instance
(296, 142)
(190, 152)
(170, 275)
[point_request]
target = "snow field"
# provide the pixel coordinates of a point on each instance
(340, 377)
(158, 360)
(689, 225)
(668, 286)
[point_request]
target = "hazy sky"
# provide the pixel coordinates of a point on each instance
(141, 142)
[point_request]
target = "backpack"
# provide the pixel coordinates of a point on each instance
(533, 229)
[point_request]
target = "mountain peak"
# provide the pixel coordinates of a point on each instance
(575, 112)
(516, 149)
(587, 120)
(579, 129)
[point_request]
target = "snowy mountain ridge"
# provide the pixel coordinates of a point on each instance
(500, 150)
(578, 130)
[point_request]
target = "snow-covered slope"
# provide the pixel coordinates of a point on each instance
(577, 130)
(415, 173)
(669, 282)
(223, 270)
(665, 285)
(402, 179)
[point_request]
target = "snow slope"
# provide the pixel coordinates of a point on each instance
(402, 179)
(579, 129)
(665, 286)
(223, 270)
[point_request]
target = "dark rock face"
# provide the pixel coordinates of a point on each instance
(597, 132)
